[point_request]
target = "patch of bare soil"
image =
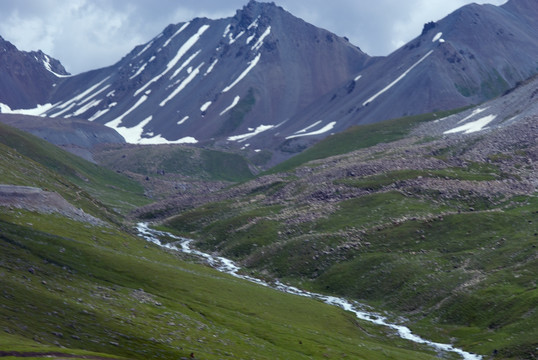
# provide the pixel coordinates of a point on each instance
(35, 199)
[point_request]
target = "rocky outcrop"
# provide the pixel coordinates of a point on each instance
(42, 201)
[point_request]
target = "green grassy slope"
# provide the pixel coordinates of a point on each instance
(195, 163)
(73, 288)
(441, 231)
(97, 289)
(112, 189)
(360, 137)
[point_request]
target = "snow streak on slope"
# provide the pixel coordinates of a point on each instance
(172, 63)
(117, 121)
(72, 102)
(397, 80)
(259, 43)
(234, 103)
(210, 68)
(176, 33)
(323, 130)
(181, 86)
(308, 127)
(205, 106)
(473, 126)
(258, 130)
(244, 73)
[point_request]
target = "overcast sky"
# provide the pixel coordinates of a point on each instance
(88, 34)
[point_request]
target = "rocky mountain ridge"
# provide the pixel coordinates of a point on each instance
(27, 78)
(266, 83)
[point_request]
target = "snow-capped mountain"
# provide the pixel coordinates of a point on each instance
(472, 55)
(213, 80)
(266, 80)
(27, 78)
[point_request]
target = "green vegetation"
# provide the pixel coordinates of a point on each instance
(445, 237)
(360, 137)
(63, 169)
(105, 291)
(72, 289)
(188, 162)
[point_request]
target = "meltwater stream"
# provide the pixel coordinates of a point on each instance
(227, 266)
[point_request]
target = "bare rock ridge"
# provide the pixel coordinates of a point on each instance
(27, 78)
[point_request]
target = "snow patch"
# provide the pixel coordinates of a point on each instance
(234, 103)
(258, 130)
(205, 106)
(232, 39)
(473, 126)
(210, 68)
(259, 43)
(254, 24)
(473, 114)
(99, 114)
(308, 127)
(437, 37)
(87, 107)
(117, 121)
(187, 62)
(183, 84)
(142, 68)
(48, 66)
(80, 96)
(134, 134)
(172, 63)
(183, 120)
(244, 73)
(144, 49)
(159, 140)
(227, 30)
(176, 33)
(37, 111)
(324, 129)
(397, 80)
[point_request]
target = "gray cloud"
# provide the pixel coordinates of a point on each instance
(87, 34)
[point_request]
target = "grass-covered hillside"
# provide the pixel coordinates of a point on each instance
(30, 161)
(440, 229)
(83, 289)
(165, 170)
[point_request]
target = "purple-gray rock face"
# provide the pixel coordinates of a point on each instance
(266, 80)
(27, 78)
(213, 80)
(472, 55)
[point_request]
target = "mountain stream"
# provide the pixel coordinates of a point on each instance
(227, 266)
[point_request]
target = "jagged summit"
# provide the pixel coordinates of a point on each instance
(214, 81)
(264, 79)
(27, 78)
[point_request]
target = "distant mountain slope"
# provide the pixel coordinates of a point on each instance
(472, 55)
(266, 80)
(435, 223)
(74, 135)
(213, 80)
(27, 78)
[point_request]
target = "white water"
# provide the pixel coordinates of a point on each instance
(227, 266)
